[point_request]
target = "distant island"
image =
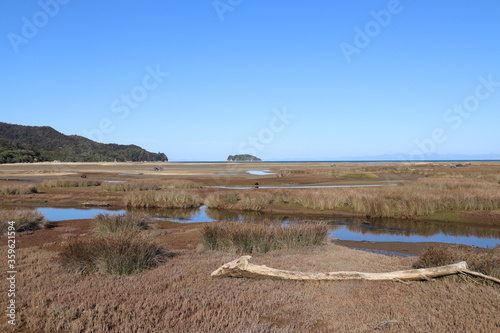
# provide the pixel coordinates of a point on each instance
(242, 158)
(25, 144)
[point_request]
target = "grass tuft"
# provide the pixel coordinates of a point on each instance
(246, 238)
(163, 199)
(479, 260)
(111, 223)
(25, 220)
(18, 189)
(120, 254)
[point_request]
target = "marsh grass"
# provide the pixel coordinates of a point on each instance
(146, 185)
(246, 238)
(25, 220)
(70, 183)
(120, 254)
(222, 199)
(399, 201)
(112, 223)
(486, 261)
(18, 189)
(253, 200)
(359, 175)
(163, 199)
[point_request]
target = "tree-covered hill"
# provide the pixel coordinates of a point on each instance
(242, 157)
(20, 143)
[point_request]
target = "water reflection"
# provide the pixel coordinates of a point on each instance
(62, 214)
(385, 230)
(380, 230)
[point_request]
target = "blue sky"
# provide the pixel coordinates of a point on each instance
(199, 80)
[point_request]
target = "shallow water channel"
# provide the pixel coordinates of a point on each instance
(383, 230)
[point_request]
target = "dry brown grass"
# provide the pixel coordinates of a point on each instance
(163, 199)
(121, 254)
(145, 185)
(111, 223)
(423, 197)
(18, 189)
(25, 220)
(180, 296)
(246, 238)
(479, 260)
(249, 200)
(70, 183)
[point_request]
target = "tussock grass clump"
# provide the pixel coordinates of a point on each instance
(25, 220)
(70, 183)
(245, 238)
(120, 254)
(479, 260)
(255, 201)
(18, 189)
(251, 200)
(359, 175)
(111, 223)
(145, 185)
(222, 199)
(163, 199)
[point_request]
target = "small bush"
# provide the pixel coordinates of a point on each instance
(25, 220)
(479, 260)
(245, 238)
(121, 254)
(111, 223)
(18, 189)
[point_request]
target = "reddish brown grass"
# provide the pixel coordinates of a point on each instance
(180, 296)
(479, 260)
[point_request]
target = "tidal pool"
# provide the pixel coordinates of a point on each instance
(261, 172)
(61, 214)
(386, 230)
(383, 230)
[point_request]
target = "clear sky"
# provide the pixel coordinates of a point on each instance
(199, 80)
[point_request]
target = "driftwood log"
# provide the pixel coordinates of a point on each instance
(242, 268)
